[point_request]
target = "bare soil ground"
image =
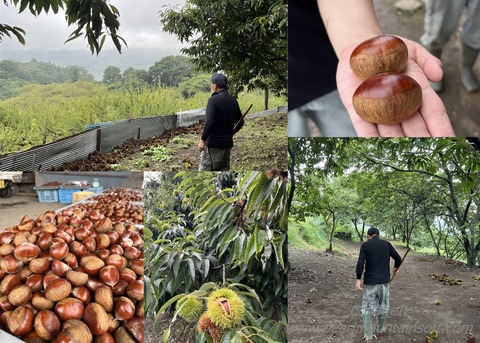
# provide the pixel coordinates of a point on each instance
(260, 145)
(325, 307)
(14, 208)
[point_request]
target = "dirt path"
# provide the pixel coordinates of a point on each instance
(324, 306)
(14, 208)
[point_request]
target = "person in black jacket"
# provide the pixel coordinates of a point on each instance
(222, 114)
(375, 259)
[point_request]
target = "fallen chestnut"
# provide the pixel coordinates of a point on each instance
(388, 98)
(381, 54)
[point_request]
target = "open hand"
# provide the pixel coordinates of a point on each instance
(431, 120)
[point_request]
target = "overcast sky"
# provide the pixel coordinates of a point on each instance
(139, 26)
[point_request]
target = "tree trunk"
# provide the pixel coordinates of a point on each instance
(266, 99)
(360, 235)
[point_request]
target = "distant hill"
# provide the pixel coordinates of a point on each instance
(135, 58)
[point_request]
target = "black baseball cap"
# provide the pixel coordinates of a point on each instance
(220, 80)
(373, 231)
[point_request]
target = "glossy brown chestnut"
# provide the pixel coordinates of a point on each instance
(20, 320)
(20, 295)
(47, 325)
(74, 331)
(69, 308)
(381, 54)
(10, 265)
(58, 289)
(109, 275)
(35, 282)
(41, 303)
(8, 283)
(96, 318)
(388, 98)
(26, 251)
(39, 265)
(135, 327)
(77, 278)
(82, 293)
(124, 308)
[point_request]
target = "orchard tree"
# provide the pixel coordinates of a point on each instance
(439, 178)
(247, 40)
(223, 232)
(112, 75)
(170, 71)
(95, 20)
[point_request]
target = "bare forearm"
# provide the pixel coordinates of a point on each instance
(348, 22)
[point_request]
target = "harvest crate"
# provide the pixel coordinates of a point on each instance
(66, 195)
(47, 195)
(79, 196)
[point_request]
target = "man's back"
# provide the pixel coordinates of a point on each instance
(222, 113)
(375, 256)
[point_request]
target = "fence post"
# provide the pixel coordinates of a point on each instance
(99, 139)
(138, 133)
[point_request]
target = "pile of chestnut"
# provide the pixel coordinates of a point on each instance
(73, 276)
(386, 96)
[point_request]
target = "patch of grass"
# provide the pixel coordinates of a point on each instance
(297, 241)
(183, 142)
(159, 154)
(261, 144)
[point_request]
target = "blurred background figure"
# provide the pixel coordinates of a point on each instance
(441, 19)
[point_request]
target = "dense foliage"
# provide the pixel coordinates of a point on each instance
(422, 191)
(41, 114)
(14, 75)
(222, 228)
(245, 39)
(95, 20)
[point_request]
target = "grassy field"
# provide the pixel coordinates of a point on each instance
(41, 114)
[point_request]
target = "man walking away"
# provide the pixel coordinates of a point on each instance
(222, 113)
(374, 257)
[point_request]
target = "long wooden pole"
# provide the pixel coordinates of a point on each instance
(400, 263)
(238, 122)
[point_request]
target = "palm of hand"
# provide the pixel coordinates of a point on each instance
(430, 120)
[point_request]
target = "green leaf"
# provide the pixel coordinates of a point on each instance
(206, 267)
(168, 304)
(177, 260)
(191, 268)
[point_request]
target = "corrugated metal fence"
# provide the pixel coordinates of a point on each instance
(101, 137)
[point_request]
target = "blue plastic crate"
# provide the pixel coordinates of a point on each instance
(96, 190)
(66, 195)
(47, 195)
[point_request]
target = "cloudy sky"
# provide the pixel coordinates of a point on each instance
(139, 26)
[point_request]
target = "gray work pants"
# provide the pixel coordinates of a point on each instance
(375, 301)
(327, 112)
(441, 19)
(212, 159)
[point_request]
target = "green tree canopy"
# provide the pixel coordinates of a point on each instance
(95, 20)
(247, 40)
(170, 71)
(421, 187)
